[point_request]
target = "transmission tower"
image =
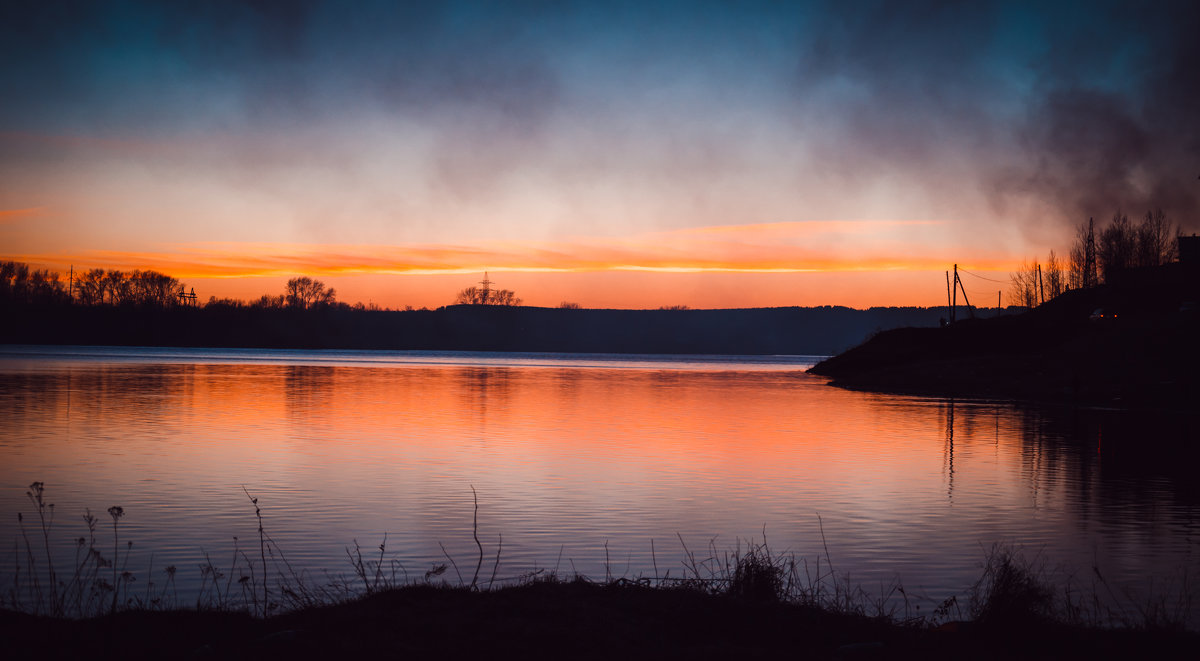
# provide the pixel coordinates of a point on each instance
(1090, 277)
(485, 294)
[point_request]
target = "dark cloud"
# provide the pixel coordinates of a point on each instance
(1115, 123)
(906, 81)
(1084, 106)
(110, 66)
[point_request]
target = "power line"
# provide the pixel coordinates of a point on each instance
(962, 270)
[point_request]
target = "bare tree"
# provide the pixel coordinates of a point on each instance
(118, 287)
(91, 286)
(482, 296)
(1024, 290)
(21, 284)
(214, 303)
(1052, 277)
(306, 293)
(154, 289)
(1156, 243)
(46, 287)
(8, 278)
(1117, 246)
(504, 297)
(270, 302)
(470, 296)
(1082, 272)
(485, 295)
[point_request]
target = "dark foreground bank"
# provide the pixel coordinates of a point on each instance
(1131, 345)
(550, 619)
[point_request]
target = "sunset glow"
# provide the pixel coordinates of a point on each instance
(400, 153)
(883, 253)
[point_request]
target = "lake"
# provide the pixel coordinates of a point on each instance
(602, 465)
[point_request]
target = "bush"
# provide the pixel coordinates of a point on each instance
(1011, 590)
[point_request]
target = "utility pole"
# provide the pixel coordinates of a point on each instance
(71, 285)
(954, 301)
(998, 299)
(1041, 287)
(959, 285)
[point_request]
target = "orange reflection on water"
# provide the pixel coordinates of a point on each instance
(610, 456)
(741, 431)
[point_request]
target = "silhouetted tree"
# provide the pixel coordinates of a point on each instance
(118, 287)
(1083, 273)
(481, 296)
(150, 288)
(1024, 289)
(1116, 247)
(270, 302)
(568, 305)
(90, 287)
(305, 293)
(153, 289)
(485, 295)
(46, 287)
(1156, 240)
(1120, 245)
(216, 303)
(8, 277)
(1052, 277)
(470, 296)
(21, 284)
(504, 297)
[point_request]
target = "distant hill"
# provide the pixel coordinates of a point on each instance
(793, 330)
(1143, 351)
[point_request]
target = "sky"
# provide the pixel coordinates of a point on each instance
(610, 154)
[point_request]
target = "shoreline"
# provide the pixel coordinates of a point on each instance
(1061, 353)
(553, 618)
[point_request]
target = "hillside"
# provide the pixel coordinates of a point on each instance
(794, 330)
(1142, 353)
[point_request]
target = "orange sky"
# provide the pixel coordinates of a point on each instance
(852, 263)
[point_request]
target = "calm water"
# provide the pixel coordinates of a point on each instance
(570, 453)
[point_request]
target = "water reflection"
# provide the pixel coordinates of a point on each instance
(948, 407)
(569, 456)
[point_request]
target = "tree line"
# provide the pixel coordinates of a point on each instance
(112, 287)
(303, 293)
(21, 284)
(1096, 256)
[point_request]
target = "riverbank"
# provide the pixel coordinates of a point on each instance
(553, 619)
(1126, 346)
